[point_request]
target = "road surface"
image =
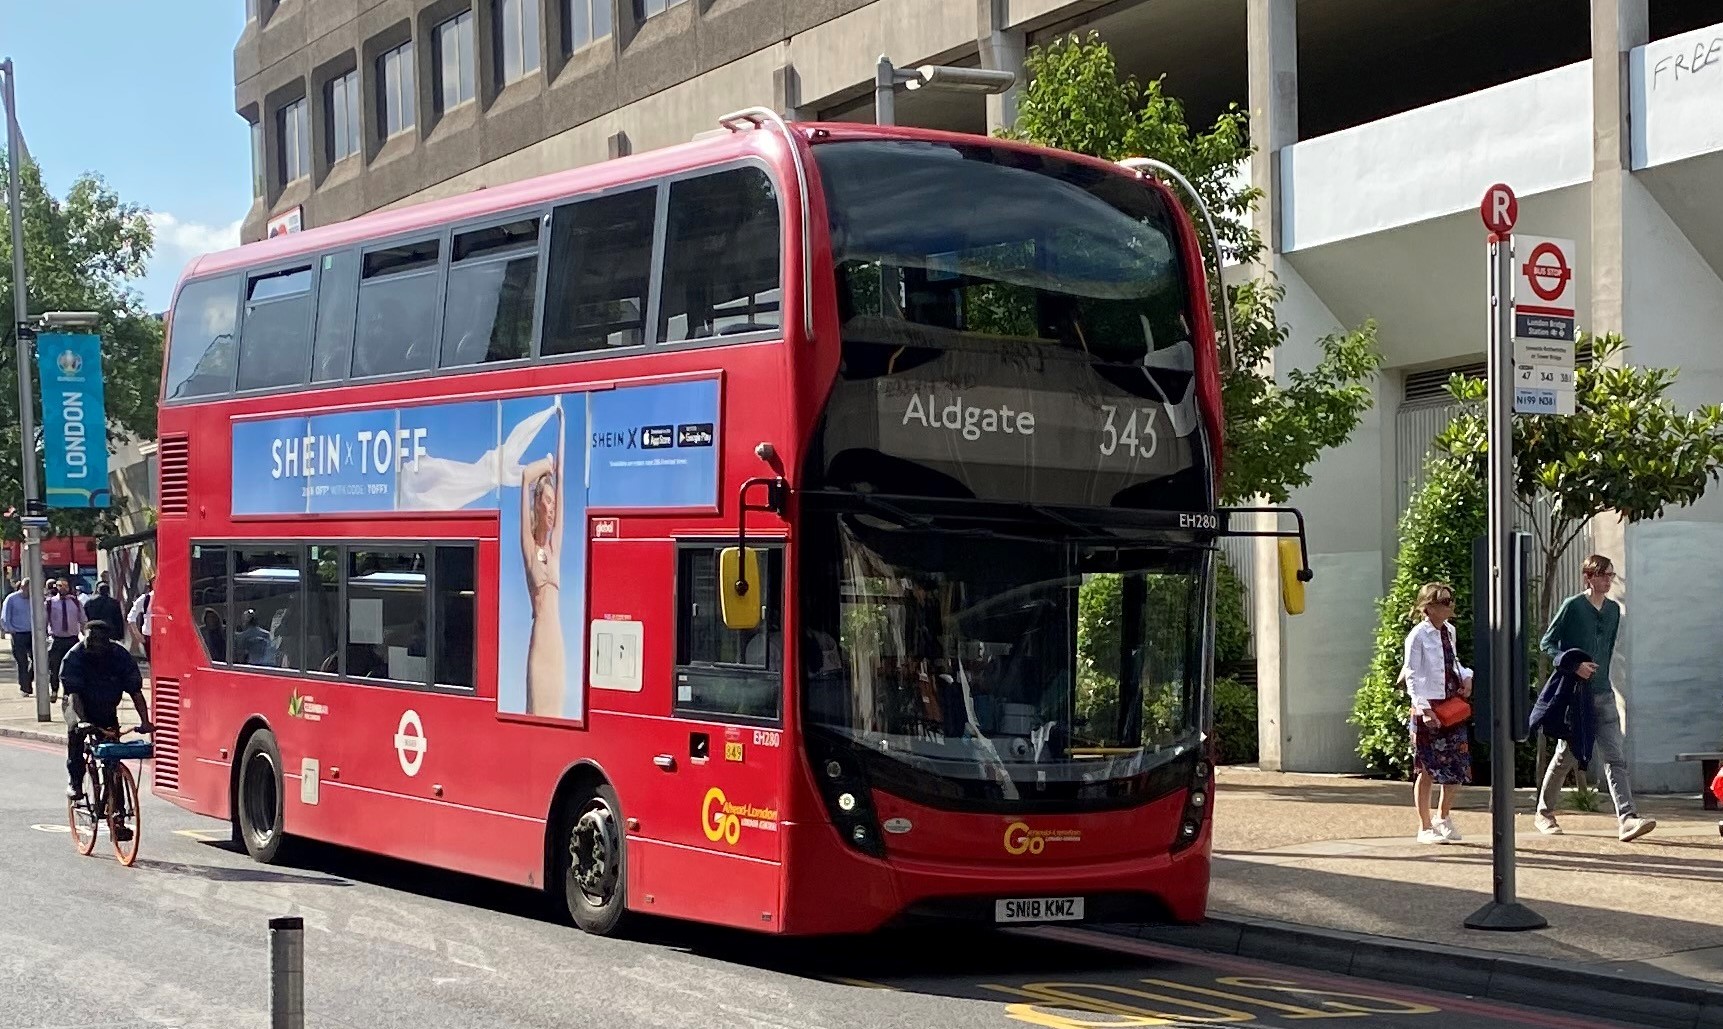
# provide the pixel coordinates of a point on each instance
(181, 940)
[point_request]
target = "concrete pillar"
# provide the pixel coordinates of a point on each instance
(787, 92)
(1617, 26)
(1002, 49)
(1272, 44)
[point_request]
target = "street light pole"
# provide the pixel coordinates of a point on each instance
(886, 79)
(884, 92)
(26, 401)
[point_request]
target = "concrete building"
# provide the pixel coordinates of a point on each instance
(1379, 124)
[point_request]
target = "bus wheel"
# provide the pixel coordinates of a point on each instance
(260, 799)
(594, 862)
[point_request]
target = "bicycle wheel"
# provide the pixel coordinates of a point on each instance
(81, 812)
(125, 798)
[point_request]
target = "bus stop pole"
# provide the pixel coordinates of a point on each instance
(1504, 912)
(26, 404)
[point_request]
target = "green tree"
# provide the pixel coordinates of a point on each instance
(1076, 101)
(82, 253)
(1625, 449)
(1446, 514)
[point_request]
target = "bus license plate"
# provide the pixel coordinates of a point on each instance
(1039, 909)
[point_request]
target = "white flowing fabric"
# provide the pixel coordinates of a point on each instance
(440, 484)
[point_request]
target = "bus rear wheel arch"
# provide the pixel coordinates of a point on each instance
(589, 855)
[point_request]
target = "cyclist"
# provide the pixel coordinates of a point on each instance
(97, 672)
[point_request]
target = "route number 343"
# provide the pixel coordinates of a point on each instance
(1132, 431)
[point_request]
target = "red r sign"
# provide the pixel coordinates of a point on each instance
(1500, 209)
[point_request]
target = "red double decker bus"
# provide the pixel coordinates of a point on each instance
(801, 529)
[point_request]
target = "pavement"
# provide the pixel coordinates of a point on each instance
(181, 939)
(18, 712)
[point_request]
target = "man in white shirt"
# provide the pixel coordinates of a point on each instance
(140, 614)
(65, 625)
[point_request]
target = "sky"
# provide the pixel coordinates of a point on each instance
(139, 92)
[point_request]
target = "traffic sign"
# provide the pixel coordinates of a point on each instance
(1543, 401)
(1543, 289)
(1555, 352)
(1500, 209)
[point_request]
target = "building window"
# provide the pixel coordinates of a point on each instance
(344, 116)
(256, 159)
(644, 9)
(396, 99)
(517, 38)
(295, 129)
(584, 21)
(453, 73)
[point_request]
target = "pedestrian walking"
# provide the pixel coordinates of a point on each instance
(1589, 622)
(65, 626)
(140, 614)
(1439, 686)
(18, 621)
(105, 609)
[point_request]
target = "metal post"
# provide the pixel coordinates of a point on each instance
(1504, 911)
(287, 973)
(26, 400)
(884, 92)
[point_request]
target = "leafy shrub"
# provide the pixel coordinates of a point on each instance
(1446, 514)
(1231, 627)
(1235, 722)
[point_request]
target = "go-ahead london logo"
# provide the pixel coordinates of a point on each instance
(69, 362)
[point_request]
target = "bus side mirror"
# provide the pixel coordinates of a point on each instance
(1292, 576)
(739, 593)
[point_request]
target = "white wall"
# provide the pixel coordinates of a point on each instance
(1677, 105)
(1323, 653)
(1533, 133)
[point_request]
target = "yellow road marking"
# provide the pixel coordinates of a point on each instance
(202, 835)
(866, 984)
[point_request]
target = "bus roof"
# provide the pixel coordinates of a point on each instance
(715, 148)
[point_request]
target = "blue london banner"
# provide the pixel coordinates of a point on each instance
(74, 421)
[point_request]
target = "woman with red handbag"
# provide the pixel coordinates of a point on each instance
(1440, 687)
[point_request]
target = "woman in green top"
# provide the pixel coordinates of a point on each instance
(1589, 621)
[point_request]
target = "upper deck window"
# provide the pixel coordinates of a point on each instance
(493, 286)
(600, 272)
(275, 339)
(397, 330)
(987, 243)
(721, 266)
(201, 339)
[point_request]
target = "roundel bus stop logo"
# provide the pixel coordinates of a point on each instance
(69, 362)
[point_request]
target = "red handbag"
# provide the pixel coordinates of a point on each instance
(1451, 712)
(1717, 785)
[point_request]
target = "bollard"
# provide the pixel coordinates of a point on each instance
(287, 973)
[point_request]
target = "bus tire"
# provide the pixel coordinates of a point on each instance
(592, 860)
(259, 801)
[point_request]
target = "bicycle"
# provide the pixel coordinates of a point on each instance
(110, 792)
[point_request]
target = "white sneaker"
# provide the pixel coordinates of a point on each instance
(1634, 828)
(1445, 828)
(1431, 836)
(1546, 824)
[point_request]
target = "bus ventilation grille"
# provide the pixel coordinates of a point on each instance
(174, 457)
(164, 705)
